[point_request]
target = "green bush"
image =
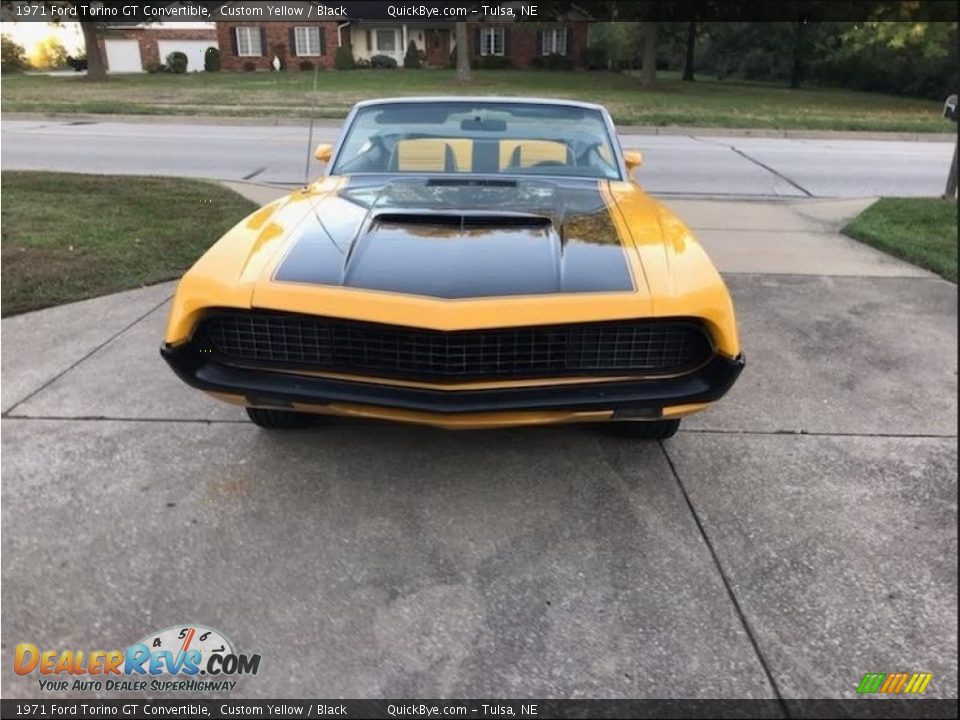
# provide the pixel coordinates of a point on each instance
(494, 62)
(382, 62)
(362, 64)
(153, 67)
(306, 65)
(249, 66)
(177, 62)
(78, 63)
(13, 58)
(343, 59)
(411, 61)
(211, 59)
(595, 58)
(554, 61)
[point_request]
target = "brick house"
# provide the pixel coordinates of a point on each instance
(293, 42)
(133, 48)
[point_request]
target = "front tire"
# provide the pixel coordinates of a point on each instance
(277, 419)
(646, 429)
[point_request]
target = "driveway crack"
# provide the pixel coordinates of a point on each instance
(726, 583)
(106, 342)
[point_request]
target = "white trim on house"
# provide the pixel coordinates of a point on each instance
(492, 41)
(248, 41)
(307, 40)
(553, 41)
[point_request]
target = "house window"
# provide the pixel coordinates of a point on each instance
(555, 41)
(386, 41)
(307, 40)
(491, 41)
(248, 42)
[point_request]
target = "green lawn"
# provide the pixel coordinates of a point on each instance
(922, 231)
(706, 103)
(68, 237)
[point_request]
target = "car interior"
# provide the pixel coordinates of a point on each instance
(449, 140)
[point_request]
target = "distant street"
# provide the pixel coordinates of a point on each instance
(673, 164)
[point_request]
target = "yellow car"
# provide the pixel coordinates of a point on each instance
(464, 263)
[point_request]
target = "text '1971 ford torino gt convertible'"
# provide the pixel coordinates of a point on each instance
(464, 263)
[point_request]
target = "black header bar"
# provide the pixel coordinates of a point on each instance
(117, 12)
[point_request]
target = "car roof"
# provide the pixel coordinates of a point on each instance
(516, 100)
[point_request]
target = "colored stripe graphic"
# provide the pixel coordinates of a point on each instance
(918, 683)
(894, 683)
(871, 682)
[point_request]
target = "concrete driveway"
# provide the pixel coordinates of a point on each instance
(797, 536)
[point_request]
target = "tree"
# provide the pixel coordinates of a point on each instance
(799, 52)
(96, 67)
(49, 54)
(648, 73)
(463, 54)
(92, 31)
(691, 49)
(617, 41)
(12, 55)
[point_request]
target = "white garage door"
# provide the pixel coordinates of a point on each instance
(193, 49)
(123, 56)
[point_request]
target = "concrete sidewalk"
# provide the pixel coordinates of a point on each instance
(333, 125)
(799, 534)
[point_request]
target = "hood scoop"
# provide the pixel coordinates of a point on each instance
(443, 239)
(463, 220)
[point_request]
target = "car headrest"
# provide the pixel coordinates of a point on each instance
(423, 155)
(526, 153)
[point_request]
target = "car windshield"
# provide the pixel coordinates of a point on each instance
(499, 138)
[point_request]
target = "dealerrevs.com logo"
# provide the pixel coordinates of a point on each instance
(181, 658)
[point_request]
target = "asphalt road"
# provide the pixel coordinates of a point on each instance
(673, 164)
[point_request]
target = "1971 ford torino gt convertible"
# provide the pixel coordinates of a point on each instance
(464, 263)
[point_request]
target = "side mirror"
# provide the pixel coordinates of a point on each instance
(633, 159)
(324, 152)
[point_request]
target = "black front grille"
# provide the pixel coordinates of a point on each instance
(648, 347)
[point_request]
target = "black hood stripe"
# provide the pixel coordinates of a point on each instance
(457, 240)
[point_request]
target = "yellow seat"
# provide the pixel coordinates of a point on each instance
(433, 155)
(526, 153)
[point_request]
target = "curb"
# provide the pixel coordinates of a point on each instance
(679, 130)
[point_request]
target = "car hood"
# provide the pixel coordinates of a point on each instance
(460, 239)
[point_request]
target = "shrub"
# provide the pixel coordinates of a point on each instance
(362, 64)
(555, 61)
(78, 63)
(306, 65)
(13, 57)
(595, 58)
(249, 66)
(411, 61)
(343, 59)
(382, 62)
(493, 62)
(177, 62)
(211, 59)
(48, 54)
(153, 67)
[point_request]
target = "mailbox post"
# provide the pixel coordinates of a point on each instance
(950, 112)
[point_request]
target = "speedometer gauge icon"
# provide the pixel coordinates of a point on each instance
(180, 639)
